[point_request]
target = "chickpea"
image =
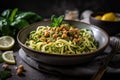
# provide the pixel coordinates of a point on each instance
(47, 33)
(53, 29)
(5, 66)
(21, 67)
(43, 39)
(78, 32)
(61, 28)
(75, 35)
(75, 40)
(76, 29)
(65, 32)
(55, 35)
(64, 36)
(57, 29)
(48, 41)
(19, 71)
(58, 38)
(62, 25)
(49, 28)
(71, 29)
(67, 28)
(64, 29)
(79, 39)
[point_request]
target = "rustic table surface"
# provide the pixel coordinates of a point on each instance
(31, 73)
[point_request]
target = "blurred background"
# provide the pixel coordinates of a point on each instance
(46, 8)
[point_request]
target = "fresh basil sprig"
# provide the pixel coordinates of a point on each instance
(56, 21)
(13, 20)
(4, 75)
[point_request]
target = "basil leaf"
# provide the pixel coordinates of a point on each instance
(60, 19)
(31, 17)
(6, 13)
(19, 24)
(54, 18)
(12, 16)
(56, 22)
(4, 27)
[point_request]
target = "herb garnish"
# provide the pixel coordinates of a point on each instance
(5, 74)
(56, 21)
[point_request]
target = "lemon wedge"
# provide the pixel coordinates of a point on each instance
(6, 42)
(109, 17)
(8, 57)
(98, 17)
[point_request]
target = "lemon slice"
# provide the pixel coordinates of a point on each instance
(8, 57)
(6, 42)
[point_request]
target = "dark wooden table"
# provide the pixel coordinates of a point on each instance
(33, 74)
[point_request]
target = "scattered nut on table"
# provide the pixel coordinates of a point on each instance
(5, 67)
(21, 67)
(20, 70)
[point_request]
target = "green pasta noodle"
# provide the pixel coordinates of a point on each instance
(65, 39)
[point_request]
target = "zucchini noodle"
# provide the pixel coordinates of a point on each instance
(65, 39)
